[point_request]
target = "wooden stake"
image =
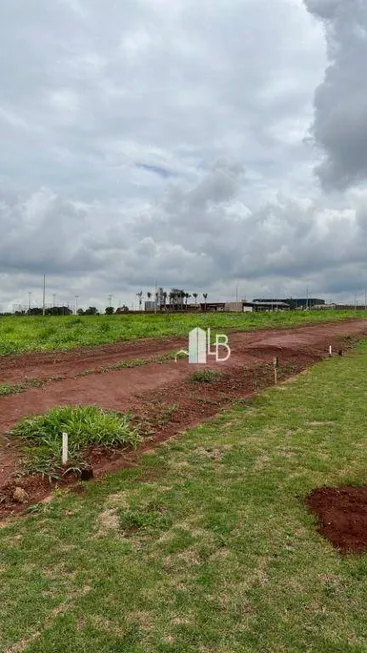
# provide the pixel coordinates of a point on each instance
(65, 448)
(276, 363)
(330, 351)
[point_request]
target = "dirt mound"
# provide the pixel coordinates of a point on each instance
(342, 516)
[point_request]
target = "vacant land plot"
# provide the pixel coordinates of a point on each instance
(162, 395)
(63, 333)
(207, 545)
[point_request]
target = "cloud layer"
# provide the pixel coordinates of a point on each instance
(167, 142)
(341, 100)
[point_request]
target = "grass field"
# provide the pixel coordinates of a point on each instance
(62, 333)
(206, 546)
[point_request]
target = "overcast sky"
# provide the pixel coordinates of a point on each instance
(202, 144)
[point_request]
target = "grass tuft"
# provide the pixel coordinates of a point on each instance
(85, 425)
(10, 389)
(206, 376)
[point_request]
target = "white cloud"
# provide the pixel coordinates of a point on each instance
(167, 141)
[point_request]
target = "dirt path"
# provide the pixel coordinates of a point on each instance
(163, 384)
(43, 365)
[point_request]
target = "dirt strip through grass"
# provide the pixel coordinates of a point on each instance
(162, 398)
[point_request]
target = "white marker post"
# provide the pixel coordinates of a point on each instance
(330, 351)
(65, 446)
(276, 363)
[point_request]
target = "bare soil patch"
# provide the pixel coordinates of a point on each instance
(342, 516)
(161, 396)
(43, 365)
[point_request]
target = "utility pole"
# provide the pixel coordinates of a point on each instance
(54, 300)
(237, 293)
(109, 299)
(44, 296)
(29, 300)
(76, 304)
(355, 301)
(155, 296)
(307, 298)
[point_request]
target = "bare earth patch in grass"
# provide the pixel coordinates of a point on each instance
(342, 516)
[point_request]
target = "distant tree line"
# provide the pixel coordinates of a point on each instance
(64, 310)
(54, 310)
(175, 300)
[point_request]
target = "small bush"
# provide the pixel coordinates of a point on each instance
(85, 425)
(206, 376)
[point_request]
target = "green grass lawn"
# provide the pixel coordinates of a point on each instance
(207, 545)
(18, 334)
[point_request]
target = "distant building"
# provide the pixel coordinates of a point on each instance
(234, 307)
(213, 306)
(149, 306)
(303, 302)
(261, 306)
(244, 306)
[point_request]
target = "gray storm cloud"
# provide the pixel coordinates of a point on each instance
(165, 141)
(340, 101)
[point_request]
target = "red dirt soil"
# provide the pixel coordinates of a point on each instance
(342, 516)
(42, 365)
(160, 394)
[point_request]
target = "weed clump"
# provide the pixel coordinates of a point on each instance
(85, 425)
(206, 376)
